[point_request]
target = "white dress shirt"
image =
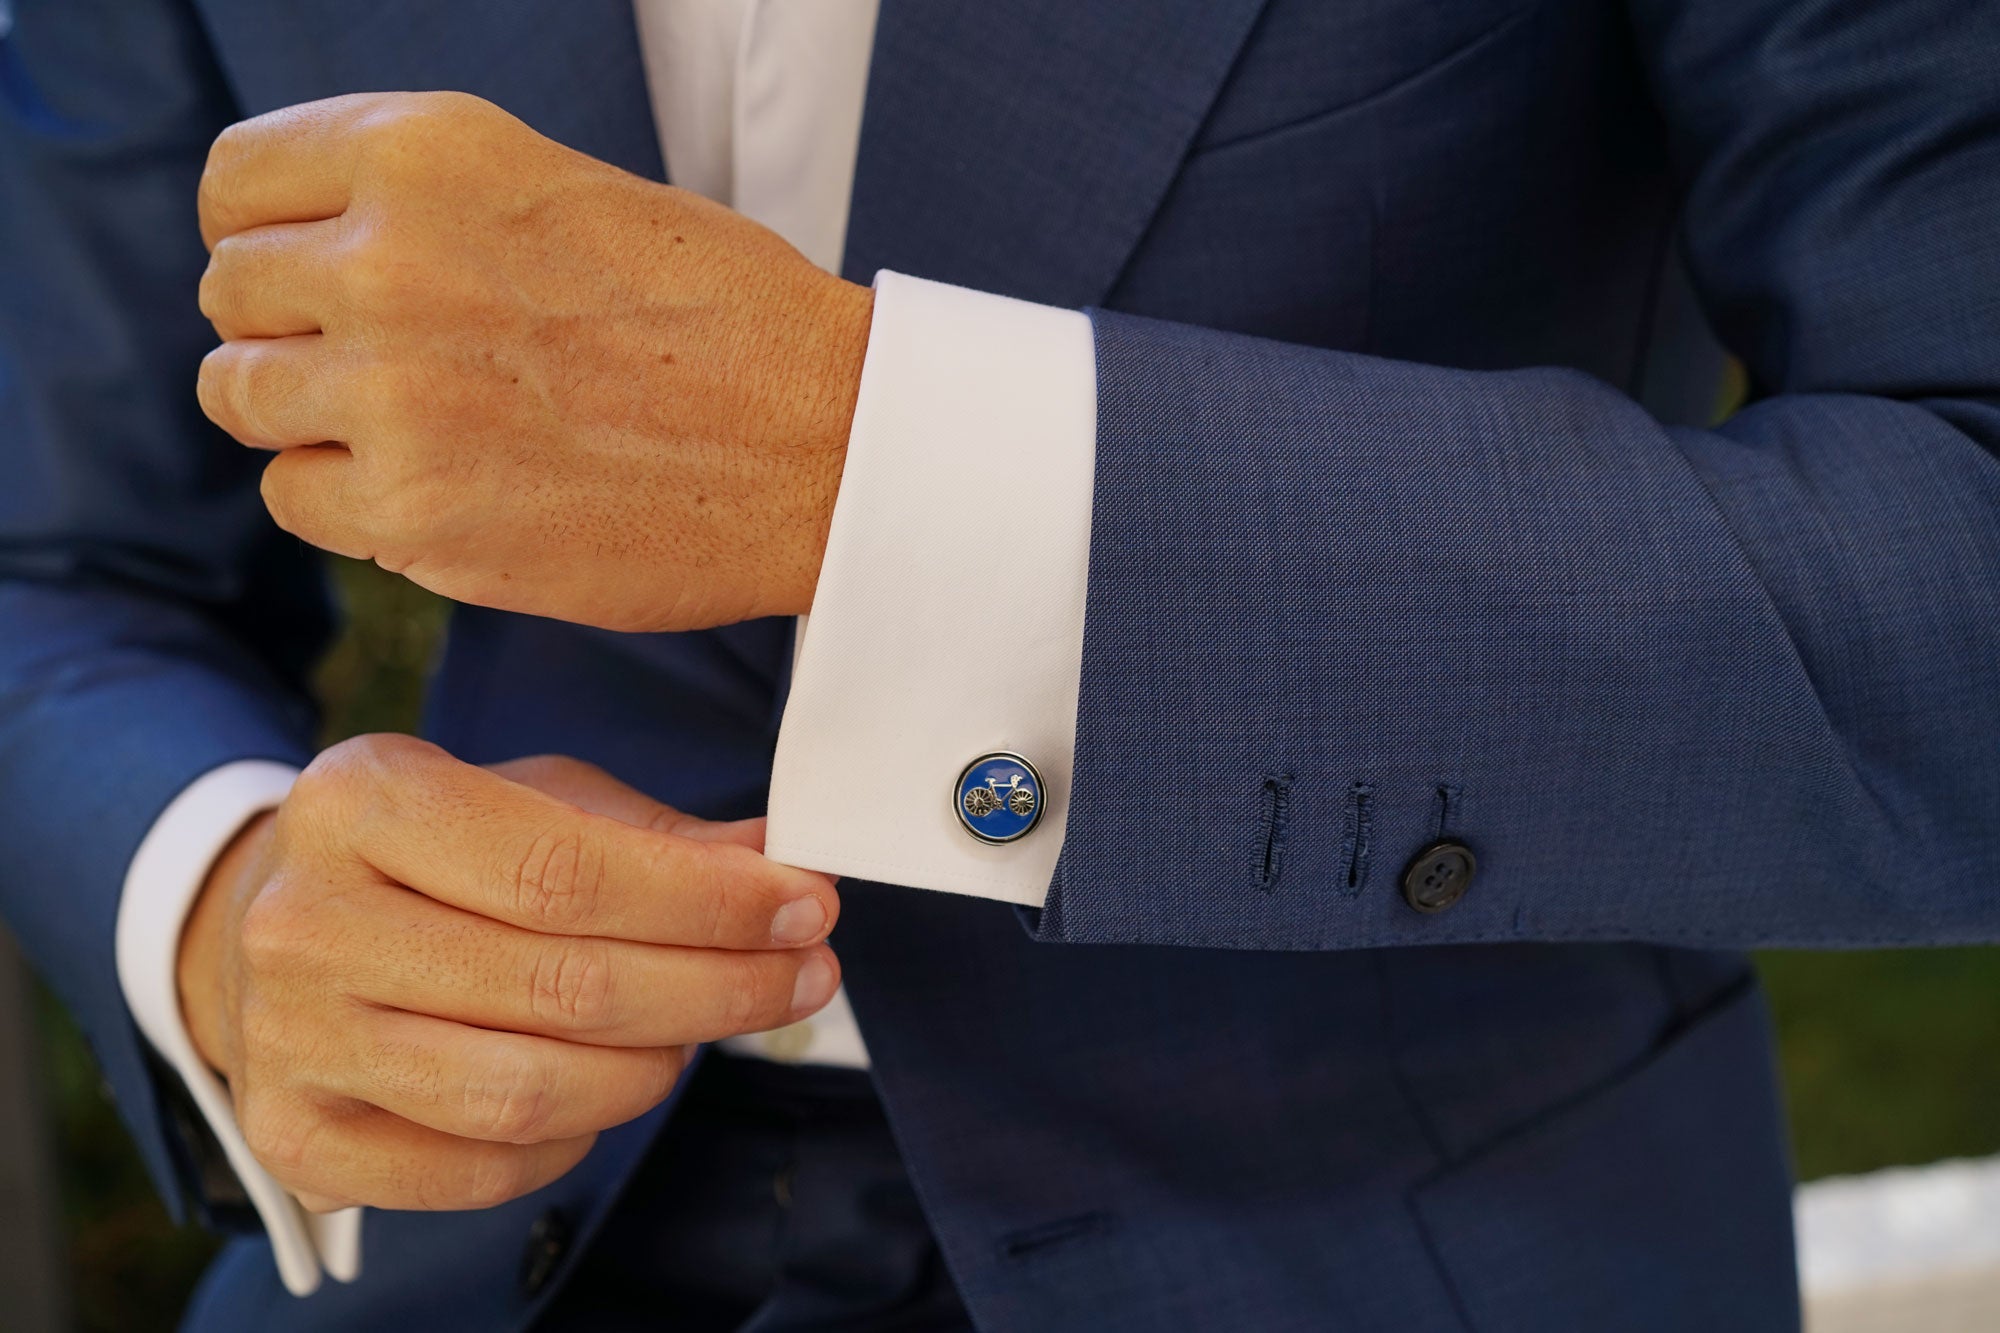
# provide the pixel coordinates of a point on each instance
(948, 618)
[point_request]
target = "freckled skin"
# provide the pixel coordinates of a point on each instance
(519, 376)
(528, 380)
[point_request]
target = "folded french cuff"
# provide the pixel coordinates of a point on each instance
(165, 877)
(948, 619)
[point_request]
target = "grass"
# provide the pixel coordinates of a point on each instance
(1889, 1058)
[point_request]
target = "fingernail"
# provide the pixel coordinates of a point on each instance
(799, 921)
(814, 986)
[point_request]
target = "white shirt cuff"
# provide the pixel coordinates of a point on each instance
(161, 884)
(948, 619)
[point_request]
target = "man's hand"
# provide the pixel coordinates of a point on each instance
(519, 376)
(429, 986)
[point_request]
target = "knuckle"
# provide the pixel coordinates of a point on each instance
(571, 984)
(315, 1202)
(405, 130)
(375, 274)
(248, 385)
(222, 387)
(323, 779)
(244, 388)
(453, 101)
(365, 764)
(717, 907)
(445, 111)
(390, 119)
(493, 1176)
(402, 502)
(351, 788)
(219, 151)
(392, 757)
(229, 143)
(509, 1101)
(222, 151)
(208, 385)
(752, 1000)
(375, 389)
(755, 893)
(667, 1066)
(333, 776)
(558, 879)
(423, 109)
(271, 935)
(266, 1037)
(536, 769)
(281, 499)
(508, 1117)
(409, 1073)
(666, 819)
(215, 287)
(279, 1135)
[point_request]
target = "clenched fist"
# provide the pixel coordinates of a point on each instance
(429, 985)
(519, 376)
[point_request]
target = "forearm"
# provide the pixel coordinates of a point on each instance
(1732, 687)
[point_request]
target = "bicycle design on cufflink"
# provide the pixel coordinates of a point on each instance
(1015, 794)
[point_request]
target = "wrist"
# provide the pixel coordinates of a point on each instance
(200, 971)
(841, 343)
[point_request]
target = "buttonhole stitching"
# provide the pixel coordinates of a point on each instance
(1355, 841)
(1446, 809)
(1277, 819)
(1020, 1244)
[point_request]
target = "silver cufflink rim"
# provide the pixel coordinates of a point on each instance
(965, 819)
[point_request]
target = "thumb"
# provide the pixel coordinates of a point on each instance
(589, 787)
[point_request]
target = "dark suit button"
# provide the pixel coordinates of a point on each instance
(548, 1241)
(1438, 876)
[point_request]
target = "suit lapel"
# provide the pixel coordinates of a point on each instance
(1018, 146)
(1022, 146)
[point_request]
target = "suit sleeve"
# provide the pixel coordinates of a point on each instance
(153, 624)
(1728, 687)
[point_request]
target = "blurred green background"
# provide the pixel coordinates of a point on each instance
(1888, 1057)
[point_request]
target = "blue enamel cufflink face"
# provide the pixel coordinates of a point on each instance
(999, 797)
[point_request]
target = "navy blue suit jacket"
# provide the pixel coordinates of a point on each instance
(1408, 521)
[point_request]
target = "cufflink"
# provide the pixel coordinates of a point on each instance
(998, 797)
